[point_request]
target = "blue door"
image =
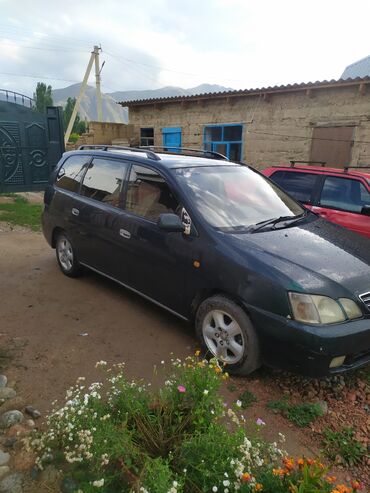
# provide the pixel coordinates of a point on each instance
(171, 138)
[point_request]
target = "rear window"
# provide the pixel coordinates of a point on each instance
(299, 185)
(71, 172)
(103, 180)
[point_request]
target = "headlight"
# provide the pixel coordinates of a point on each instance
(351, 308)
(315, 309)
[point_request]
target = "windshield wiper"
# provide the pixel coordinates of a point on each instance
(272, 222)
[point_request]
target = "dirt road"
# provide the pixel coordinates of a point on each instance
(47, 312)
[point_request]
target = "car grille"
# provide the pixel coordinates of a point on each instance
(366, 299)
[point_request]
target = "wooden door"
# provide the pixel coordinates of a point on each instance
(332, 145)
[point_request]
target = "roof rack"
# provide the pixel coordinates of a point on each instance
(150, 154)
(186, 151)
(292, 163)
(346, 168)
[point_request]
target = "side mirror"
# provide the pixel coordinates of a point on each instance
(366, 210)
(170, 223)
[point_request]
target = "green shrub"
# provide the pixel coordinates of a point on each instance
(300, 414)
(247, 398)
(344, 444)
(73, 137)
(124, 437)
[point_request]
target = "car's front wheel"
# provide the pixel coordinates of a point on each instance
(66, 256)
(226, 332)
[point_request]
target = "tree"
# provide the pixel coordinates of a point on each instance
(43, 97)
(79, 126)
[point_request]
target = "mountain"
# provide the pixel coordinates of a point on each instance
(113, 112)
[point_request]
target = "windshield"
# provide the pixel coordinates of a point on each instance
(233, 198)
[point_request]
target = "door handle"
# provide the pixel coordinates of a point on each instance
(125, 234)
(75, 212)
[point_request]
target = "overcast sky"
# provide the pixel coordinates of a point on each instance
(154, 43)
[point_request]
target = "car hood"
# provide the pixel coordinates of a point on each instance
(314, 256)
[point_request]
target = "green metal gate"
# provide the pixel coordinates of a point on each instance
(31, 144)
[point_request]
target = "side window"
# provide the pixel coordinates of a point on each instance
(103, 181)
(70, 174)
(299, 185)
(344, 193)
(148, 195)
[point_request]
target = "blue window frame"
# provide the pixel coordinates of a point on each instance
(226, 139)
(171, 138)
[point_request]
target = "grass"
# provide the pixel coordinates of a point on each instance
(21, 213)
(343, 444)
(247, 398)
(300, 414)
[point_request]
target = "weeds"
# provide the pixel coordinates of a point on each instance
(247, 398)
(343, 443)
(300, 414)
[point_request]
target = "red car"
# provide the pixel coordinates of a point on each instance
(341, 196)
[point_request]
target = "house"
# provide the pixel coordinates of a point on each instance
(317, 121)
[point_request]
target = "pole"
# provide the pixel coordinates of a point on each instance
(97, 78)
(79, 97)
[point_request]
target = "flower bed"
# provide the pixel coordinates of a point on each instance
(122, 436)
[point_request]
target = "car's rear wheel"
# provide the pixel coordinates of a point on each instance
(66, 256)
(227, 333)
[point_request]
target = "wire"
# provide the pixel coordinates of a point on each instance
(38, 77)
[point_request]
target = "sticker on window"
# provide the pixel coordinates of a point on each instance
(186, 221)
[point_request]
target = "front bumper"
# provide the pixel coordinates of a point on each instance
(309, 349)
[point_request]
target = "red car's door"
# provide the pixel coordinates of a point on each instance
(342, 202)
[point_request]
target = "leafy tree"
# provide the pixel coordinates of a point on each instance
(43, 97)
(79, 126)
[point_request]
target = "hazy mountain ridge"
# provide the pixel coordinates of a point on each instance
(113, 112)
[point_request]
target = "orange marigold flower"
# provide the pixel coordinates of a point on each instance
(278, 472)
(288, 463)
(330, 479)
(310, 462)
(197, 352)
(258, 487)
(342, 488)
(300, 462)
(356, 485)
(246, 477)
(218, 369)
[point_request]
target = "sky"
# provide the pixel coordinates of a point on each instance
(147, 44)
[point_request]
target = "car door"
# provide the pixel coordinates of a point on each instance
(156, 260)
(343, 201)
(66, 204)
(100, 216)
(299, 184)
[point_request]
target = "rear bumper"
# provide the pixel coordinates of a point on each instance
(308, 349)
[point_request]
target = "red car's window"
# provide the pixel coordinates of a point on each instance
(299, 185)
(345, 194)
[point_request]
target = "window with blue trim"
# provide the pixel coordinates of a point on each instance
(225, 139)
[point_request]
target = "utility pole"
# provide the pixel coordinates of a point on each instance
(97, 79)
(94, 57)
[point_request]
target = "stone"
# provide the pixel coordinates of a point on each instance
(7, 393)
(4, 458)
(68, 485)
(4, 470)
(23, 461)
(50, 474)
(15, 403)
(17, 430)
(11, 418)
(34, 413)
(323, 406)
(30, 423)
(3, 381)
(10, 442)
(12, 484)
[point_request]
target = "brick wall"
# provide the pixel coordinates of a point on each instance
(108, 133)
(275, 129)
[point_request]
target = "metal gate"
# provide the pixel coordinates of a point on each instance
(31, 143)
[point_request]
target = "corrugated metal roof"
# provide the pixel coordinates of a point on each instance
(361, 68)
(251, 92)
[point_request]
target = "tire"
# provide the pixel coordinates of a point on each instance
(226, 332)
(67, 256)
